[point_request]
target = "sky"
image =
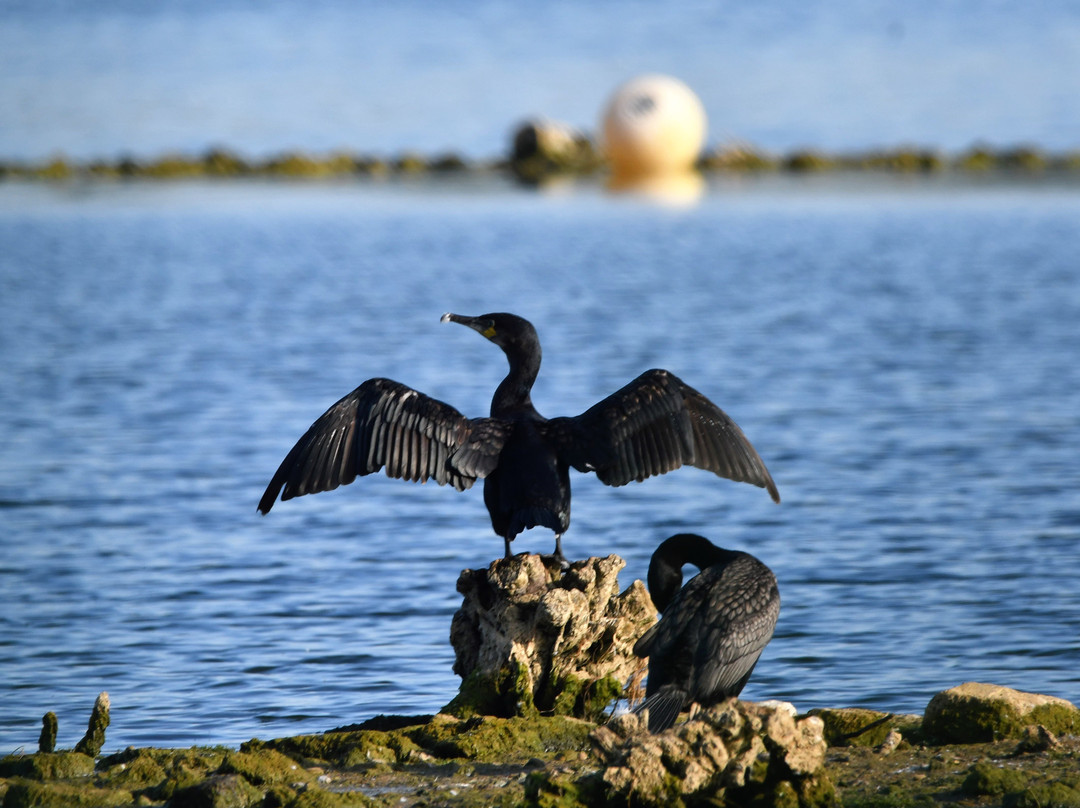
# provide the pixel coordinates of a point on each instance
(119, 77)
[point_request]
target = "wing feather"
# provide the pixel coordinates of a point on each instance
(383, 424)
(654, 425)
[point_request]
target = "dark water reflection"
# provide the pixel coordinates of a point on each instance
(904, 360)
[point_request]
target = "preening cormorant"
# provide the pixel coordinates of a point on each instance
(711, 631)
(651, 426)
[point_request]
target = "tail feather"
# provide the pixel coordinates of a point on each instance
(664, 707)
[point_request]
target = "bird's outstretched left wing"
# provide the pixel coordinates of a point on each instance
(654, 425)
(385, 424)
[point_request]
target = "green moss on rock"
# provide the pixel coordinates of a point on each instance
(493, 740)
(94, 738)
(573, 696)
(552, 790)
(984, 779)
(817, 792)
(265, 767)
(183, 767)
(329, 748)
(315, 798)
(218, 791)
(1044, 795)
(140, 771)
(504, 694)
(977, 713)
(47, 739)
(52, 766)
(35, 794)
(860, 727)
(482, 739)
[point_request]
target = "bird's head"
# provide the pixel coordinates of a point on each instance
(508, 331)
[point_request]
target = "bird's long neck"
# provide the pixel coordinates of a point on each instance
(515, 391)
(665, 569)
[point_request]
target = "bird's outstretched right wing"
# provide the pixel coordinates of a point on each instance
(385, 424)
(654, 425)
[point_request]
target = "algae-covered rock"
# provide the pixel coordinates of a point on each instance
(265, 767)
(218, 791)
(975, 713)
(738, 752)
(47, 739)
(1044, 795)
(984, 778)
(855, 726)
(34, 794)
(137, 770)
(316, 798)
(1035, 739)
(482, 739)
(531, 638)
(493, 740)
(94, 738)
(345, 749)
(47, 766)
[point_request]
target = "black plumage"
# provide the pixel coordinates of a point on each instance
(711, 631)
(651, 426)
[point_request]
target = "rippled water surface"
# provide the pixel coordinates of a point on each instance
(905, 360)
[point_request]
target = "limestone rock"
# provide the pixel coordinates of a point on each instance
(530, 636)
(94, 738)
(737, 752)
(890, 744)
(976, 713)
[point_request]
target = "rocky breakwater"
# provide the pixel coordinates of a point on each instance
(735, 752)
(533, 638)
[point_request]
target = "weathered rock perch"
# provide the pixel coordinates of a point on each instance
(530, 637)
(733, 753)
(975, 712)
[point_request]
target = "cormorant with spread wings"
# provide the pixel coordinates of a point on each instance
(651, 426)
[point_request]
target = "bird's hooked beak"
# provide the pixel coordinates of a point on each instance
(481, 325)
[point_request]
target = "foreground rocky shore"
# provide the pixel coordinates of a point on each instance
(976, 744)
(541, 652)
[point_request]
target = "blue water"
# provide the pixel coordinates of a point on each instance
(903, 356)
(114, 77)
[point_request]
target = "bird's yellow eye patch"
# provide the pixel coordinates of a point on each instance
(489, 332)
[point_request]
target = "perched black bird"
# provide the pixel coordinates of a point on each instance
(653, 425)
(711, 631)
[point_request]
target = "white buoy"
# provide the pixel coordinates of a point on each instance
(653, 126)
